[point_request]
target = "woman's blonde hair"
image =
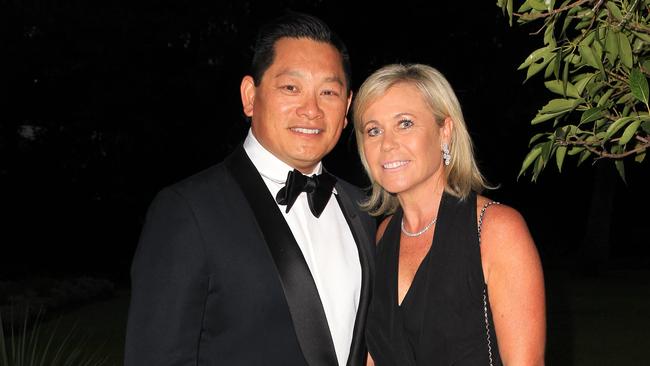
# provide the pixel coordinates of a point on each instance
(462, 174)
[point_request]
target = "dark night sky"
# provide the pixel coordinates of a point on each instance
(110, 102)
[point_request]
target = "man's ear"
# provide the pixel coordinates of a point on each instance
(347, 109)
(247, 91)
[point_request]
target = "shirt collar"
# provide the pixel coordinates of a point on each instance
(268, 164)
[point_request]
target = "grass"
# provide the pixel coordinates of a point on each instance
(592, 320)
(104, 324)
(89, 335)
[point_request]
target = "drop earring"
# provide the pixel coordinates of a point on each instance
(446, 156)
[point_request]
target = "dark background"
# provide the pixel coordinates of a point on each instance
(107, 102)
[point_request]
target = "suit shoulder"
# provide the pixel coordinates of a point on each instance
(195, 188)
(209, 178)
(354, 191)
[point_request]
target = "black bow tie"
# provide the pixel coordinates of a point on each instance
(318, 189)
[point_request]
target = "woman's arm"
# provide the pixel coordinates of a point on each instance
(515, 281)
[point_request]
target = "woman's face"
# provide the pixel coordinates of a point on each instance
(402, 141)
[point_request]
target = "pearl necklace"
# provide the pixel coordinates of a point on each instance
(419, 232)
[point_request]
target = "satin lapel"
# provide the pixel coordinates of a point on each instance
(300, 290)
(364, 245)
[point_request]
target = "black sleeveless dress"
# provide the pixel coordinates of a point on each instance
(445, 317)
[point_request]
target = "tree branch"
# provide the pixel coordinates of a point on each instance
(616, 76)
(601, 153)
(637, 27)
(628, 15)
(533, 16)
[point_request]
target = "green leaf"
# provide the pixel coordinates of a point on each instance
(629, 132)
(538, 66)
(583, 156)
(547, 147)
(591, 115)
(576, 149)
(524, 7)
(509, 10)
(559, 105)
(539, 165)
(625, 50)
(604, 98)
(558, 62)
(626, 109)
(549, 36)
(643, 36)
(595, 86)
(551, 68)
(614, 127)
(639, 157)
(565, 81)
(559, 156)
(536, 137)
(620, 167)
(532, 155)
(625, 99)
(567, 21)
(611, 46)
(588, 38)
(542, 117)
(646, 126)
(646, 64)
(557, 86)
(587, 56)
(580, 84)
(534, 56)
(639, 85)
(597, 49)
(614, 10)
(538, 5)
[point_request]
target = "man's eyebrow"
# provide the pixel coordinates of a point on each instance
(289, 73)
(296, 73)
(334, 79)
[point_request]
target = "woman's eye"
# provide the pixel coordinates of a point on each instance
(405, 123)
(373, 131)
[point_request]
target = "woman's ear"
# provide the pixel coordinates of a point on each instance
(446, 130)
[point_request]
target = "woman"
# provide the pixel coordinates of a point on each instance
(459, 280)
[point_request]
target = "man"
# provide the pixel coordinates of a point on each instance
(232, 267)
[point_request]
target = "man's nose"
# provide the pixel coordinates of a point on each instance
(310, 108)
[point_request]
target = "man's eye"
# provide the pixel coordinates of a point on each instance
(373, 131)
(405, 123)
(329, 92)
(290, 88)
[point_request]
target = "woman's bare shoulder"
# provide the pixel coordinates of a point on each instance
(498, 217)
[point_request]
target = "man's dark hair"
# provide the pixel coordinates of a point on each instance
(294, 25)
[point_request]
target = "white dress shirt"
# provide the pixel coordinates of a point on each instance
(326, 243)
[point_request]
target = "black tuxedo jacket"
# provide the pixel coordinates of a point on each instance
(218, 278)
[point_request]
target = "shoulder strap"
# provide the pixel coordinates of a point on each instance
(480, 218)
(485, 300)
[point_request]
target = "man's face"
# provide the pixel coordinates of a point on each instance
(298, 109)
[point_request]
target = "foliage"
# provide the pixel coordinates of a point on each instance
(33, 344)
(596, 61)
(51, 294)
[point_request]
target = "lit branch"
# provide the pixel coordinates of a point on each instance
(553, 12)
